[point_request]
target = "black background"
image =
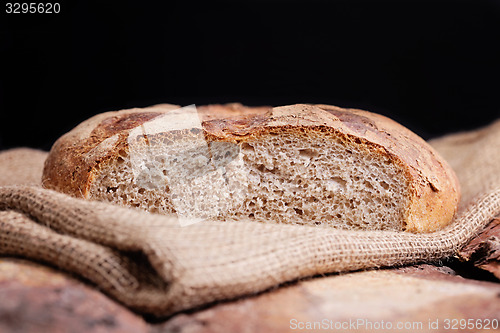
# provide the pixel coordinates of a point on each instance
(432, 65)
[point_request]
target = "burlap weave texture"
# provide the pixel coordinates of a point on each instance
(153, 265)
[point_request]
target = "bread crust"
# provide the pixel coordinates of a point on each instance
(433, 191)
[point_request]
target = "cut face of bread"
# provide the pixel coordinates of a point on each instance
(302, 164)
(316, 178)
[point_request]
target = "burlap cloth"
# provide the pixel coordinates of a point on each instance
(153, 265)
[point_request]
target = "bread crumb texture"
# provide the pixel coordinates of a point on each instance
(314, 165)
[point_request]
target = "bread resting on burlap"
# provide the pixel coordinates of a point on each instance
(298, 164)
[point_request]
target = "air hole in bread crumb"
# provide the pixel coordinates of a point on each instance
(298, 211)
(309, 153)
(246, 146)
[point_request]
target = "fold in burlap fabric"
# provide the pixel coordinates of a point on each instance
(153, 265)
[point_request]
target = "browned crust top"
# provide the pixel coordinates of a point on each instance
(434, 189)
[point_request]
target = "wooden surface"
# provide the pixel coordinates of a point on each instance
(36, 297)
(484, 250)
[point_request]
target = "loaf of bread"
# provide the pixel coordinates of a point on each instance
(300, 164)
